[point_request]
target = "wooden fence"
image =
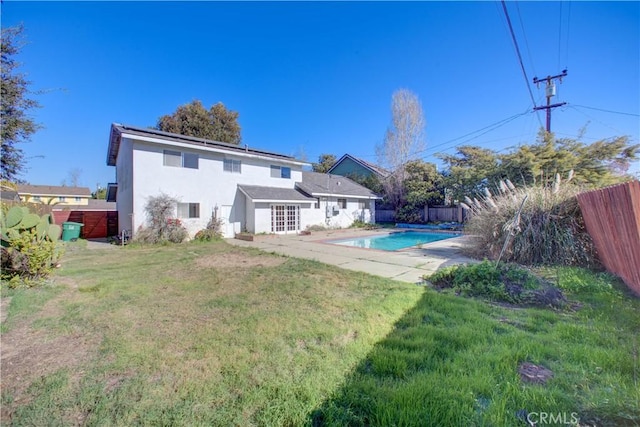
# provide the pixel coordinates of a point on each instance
(96, 223)
(612, 218)
(428, 214)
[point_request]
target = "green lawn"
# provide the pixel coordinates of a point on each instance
(211, 334)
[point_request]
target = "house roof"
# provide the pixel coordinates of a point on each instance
(52, 190)
(273, 194)
(378, 170)
(117, 130)
(94, 205)
(8, 194)
(323, 184)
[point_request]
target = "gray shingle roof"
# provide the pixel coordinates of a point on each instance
(314, 183)
(52, 190)
(255, 192)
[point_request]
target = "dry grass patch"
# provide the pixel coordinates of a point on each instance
(238, 260)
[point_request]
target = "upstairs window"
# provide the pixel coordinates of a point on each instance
(280, 172)
(179, 159)
(78, 199)
(233, 166)
(188, 210)
(62, 199)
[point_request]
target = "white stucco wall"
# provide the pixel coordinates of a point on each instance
(343, 219)
(209, 185)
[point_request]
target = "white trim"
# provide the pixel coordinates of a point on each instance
(348, 196)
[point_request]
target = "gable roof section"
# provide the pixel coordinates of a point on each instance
(117, 130)
(324, 184)
(381, 172)
(273, 194)
(52, 190)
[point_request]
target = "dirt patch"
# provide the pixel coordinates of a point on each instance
(239, 260)
(28, 354)
(530, 373)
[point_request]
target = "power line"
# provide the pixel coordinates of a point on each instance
(560, 34)
(526, 42)
(607, 111)
(515, 43)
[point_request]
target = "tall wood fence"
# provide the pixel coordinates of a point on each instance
(612, 218)
(428, 214)
(96, 223)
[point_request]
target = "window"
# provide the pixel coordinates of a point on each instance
(62, 199)
(36, 198)
(233, 166)
(362, 204)
(280, 172)
(190, 160)
(317, 204)
(188, 210)
(180, 160)
(342, 203)
(172, 158)
(78, 199)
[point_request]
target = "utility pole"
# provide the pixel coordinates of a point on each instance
(550, 91)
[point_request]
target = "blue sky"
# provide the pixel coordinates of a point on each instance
(318, 77)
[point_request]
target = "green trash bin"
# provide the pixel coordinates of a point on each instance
(71, 231)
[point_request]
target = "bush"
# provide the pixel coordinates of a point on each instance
(162, 226)
(549, 231)
(212, 232)
(502, 283)
(30, 247)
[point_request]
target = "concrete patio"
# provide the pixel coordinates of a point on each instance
(405, 265)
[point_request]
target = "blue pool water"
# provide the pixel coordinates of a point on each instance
(395, 241)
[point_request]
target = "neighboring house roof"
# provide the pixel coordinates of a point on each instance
(117, 130)
(94, 205)
(375, 169)
(52, 190)
(7, 193)
(273, 194)
(323, 184)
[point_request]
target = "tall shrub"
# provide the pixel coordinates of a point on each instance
(549, 231)
(162, 224)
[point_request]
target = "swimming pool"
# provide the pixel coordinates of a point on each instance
(395, 241)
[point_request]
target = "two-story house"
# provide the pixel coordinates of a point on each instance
(250, 189)
(52, 194)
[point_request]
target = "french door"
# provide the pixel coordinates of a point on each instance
(285, 218)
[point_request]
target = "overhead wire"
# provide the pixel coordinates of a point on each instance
(560, 34)
(606, 111)
(519, 55)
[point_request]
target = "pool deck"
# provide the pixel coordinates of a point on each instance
(408, 265)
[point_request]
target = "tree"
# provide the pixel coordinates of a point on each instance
(100, 193)
(423, 186)
(470, 170)
(17, 127)
(325, 161)
(73, 178)
(594, 165)
(404, 140)
(193, 119)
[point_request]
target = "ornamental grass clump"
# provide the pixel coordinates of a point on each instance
(548, 231)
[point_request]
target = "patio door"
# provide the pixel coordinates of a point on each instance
(285, 218)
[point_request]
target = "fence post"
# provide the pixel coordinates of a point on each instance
(426, 213)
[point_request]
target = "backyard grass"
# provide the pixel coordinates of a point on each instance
(211, 334)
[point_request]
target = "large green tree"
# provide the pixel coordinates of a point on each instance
(600, 163)
(17, 126)
(325, 161)
(193, 119)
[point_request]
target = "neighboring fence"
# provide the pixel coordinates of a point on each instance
(96, 223)
(428, 214)
(612, 218)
